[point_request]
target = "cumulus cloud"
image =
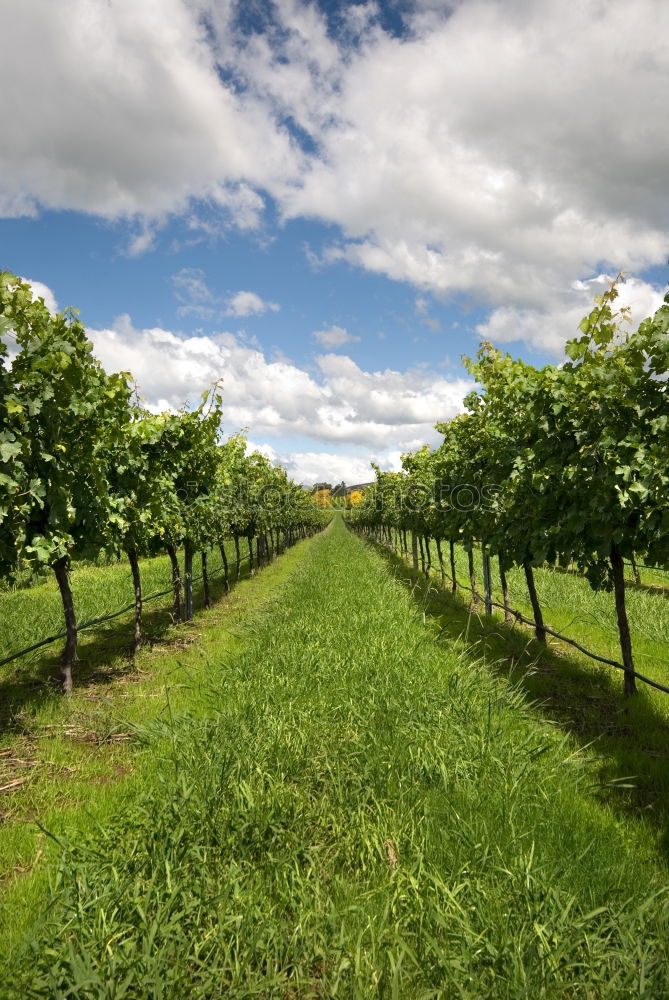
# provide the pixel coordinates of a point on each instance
(275, 397)
(549, 328)
(249, 304)
(334, 336)
(193, 292)
(445, 166)
(191, 285)
(191, 289)
(142, 240)
(123, 112)
(309, 467)
(496, 149)
(340, 404)
(42, 291)
(324, 467)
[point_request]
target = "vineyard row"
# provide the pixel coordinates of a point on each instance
(578, 455)
(84, 466)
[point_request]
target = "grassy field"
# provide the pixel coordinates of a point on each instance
(628, 737)
(28, 614)
(572, 607)
(347, 802)
(73, 763)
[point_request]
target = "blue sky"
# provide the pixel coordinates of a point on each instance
(327, 204)
(85, 260)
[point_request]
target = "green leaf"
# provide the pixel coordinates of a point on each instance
(9, 450)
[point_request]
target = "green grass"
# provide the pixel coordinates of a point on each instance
(571, 607)
(78, 759)
(32, 613)
(630, 737)
(357, 808)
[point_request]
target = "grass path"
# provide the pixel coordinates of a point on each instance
(77, 761)
(629, 736)
(356, 810)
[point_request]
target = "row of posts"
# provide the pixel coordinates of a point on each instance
(487, 577)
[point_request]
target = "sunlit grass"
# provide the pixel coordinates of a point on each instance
(572, 607)
(76, 759)
(630, 737)
(28, 614)
(358, 808)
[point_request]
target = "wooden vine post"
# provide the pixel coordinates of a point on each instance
(618, 573)
(188, 580)
(487, 585)
(414, 551)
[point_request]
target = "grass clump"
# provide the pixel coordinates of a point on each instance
(630, 736)
(72, 764)
(362, 812)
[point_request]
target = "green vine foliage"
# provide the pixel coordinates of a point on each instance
(83, 466)
(64, 413)
(146, 507)
(565, 464)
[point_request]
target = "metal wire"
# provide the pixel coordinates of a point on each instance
(519, 616)
(106, 618)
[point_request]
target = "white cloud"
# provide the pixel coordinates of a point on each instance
(498, 149)
(264, 449)
(237, 201)
(326, 467)
(334, 336)
(448, 168)
(341, 404)
(190, 285)
(192, 291)
(123, 112)
(249, 304)
(142, 240)
(492, 151)
(195, 296)
(309, 467)
(42, 291)
(549, 328)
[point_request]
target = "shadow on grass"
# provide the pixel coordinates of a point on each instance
(629, 737)
(105, 655)
(655, 589)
